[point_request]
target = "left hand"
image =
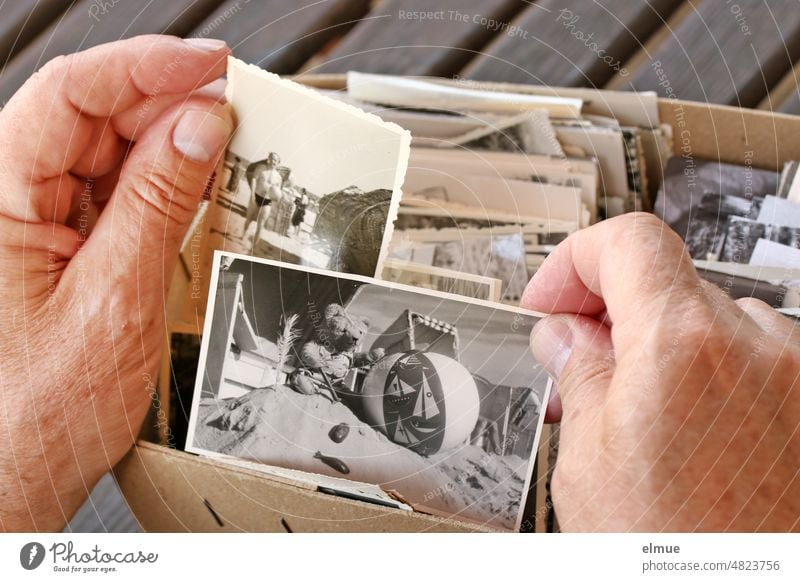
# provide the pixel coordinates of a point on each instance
(106, 156)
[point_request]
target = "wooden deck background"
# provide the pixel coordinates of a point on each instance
(744, 53)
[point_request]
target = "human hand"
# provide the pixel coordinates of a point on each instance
(106, 156)
(680, 406)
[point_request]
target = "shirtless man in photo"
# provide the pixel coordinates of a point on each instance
(266, 184)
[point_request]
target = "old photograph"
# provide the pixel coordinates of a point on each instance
(682, 200)
(516, 197)
(498, 253)
(707, 224)
(444, 280)
(743, 234)
(572, 172)
(307, 179)
(433, 397)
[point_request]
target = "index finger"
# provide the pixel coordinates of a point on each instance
(631, 267)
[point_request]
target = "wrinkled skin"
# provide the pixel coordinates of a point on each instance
(679, 408)
(86, 264)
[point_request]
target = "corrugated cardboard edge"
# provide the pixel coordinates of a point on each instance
(732, 135)
(172, 491)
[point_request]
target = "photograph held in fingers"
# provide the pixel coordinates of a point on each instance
(307, 179)
(433, 396)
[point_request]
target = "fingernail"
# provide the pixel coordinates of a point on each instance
(214, 90)
(206, 44)
(553, 410)
(200, 135)
(551, 342)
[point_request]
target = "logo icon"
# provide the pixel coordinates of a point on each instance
(31, 555)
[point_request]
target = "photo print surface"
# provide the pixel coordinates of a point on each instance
(307, 179)
(433, 397)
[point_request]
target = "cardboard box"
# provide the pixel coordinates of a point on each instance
(169, 490)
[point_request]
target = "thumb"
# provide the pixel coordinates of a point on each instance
(159, 189)
(578, 354)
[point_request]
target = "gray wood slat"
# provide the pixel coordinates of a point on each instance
(22, 20)
(729, 53)
(791, 105)
(104, 511)
(392, 42)
(281, 35)
(784, 96)
(84, 25)
(575, 44)
(791, 101)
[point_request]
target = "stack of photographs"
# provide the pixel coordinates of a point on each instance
(497, 178)
(740, 224)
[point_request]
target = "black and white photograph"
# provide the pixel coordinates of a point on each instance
(683, 198)
(520, 198)
(439, 279)
(307, 179)
(743, 234)
(707, 226)
(433, 397)
(498, 253)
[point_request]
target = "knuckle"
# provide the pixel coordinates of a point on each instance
(53, 71)
(655, 252)
(701, 334)
(173, 200)
(645, 233)
(663, 238)
(629, 220)
(705, 331)
(747, 303)
(790, 359)
(583, 372)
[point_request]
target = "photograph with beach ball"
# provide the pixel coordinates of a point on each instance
(434, 398)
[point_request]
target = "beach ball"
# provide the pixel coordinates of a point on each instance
(424, 401)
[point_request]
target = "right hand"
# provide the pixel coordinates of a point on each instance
(680, 408)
